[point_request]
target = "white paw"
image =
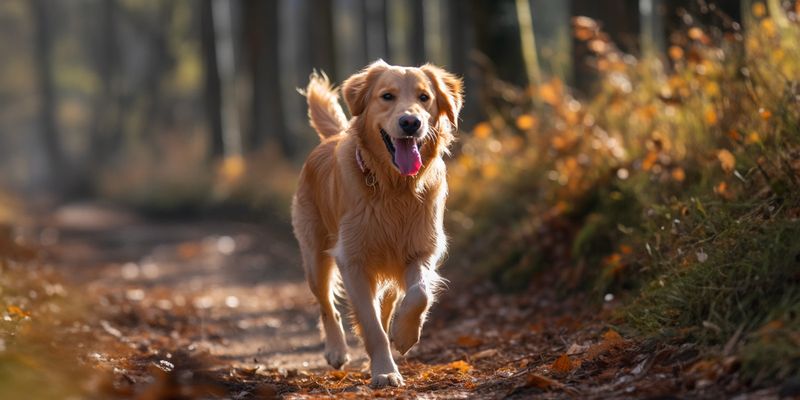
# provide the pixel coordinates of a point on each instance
(337, 358)
(384, 380)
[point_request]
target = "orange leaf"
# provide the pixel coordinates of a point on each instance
(721, 189)
(711, 116)
(526, 122)
(727, 160)
(678, 174)
(562, 365)
(469, 341)
(542, 382)
(650, 160)
(612, 336)
(675, 52)
(14, 310)
(482, 130)
(460, 366)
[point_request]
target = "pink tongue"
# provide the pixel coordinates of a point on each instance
(406, 156)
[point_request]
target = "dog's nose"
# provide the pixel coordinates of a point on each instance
(410, 124)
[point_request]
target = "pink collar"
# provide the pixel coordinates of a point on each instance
(369, 177)
(360, 161)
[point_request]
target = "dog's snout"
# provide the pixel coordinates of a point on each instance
(410, 124)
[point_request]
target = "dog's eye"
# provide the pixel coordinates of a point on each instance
(387, 96)
(424, 97)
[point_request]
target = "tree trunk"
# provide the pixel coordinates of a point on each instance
(213, 95)
(263, 39)
(49, 136)
(375, 24)
(415, 26)
(322, 39)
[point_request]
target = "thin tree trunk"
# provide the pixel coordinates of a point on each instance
(528, 42)
(652, 28)
(322, 39)
(226, 66)
(375, 24)
(213, 95)
(263, 39)
(49, 135)
(415, 26)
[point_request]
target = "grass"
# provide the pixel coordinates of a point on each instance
(674, 185)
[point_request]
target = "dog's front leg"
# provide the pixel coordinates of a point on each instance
(420, 281)
(365, 303)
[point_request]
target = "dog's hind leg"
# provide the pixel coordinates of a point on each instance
(388, 301)
(319, 273)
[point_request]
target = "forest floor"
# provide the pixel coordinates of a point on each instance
(213, 309)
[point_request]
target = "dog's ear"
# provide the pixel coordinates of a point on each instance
(449, 92)
(356, 89)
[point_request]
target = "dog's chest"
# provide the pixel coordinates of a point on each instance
(407, 226)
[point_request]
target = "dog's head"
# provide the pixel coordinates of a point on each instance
(404, 114)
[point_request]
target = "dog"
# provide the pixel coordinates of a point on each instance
(370, 201)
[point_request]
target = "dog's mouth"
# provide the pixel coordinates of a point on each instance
(405, 153)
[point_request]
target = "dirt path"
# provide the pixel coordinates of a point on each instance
(214, 309)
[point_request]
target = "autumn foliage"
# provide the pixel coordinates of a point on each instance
(673, 186)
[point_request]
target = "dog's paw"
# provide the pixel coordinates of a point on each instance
(404, 337)
(337, 358)
(384, 380)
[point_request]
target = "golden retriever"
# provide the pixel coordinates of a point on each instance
(370, 201)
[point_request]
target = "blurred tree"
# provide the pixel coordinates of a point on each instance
(213, 95)
(551, 24)
(497, 36)
(375, 24)
(652, 14)
(48, 132)
(322, 41)
(106, 129)
(262, 41)
(415, 26)
(528, 42)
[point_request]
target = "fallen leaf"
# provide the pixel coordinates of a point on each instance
(460, 366)
(14, 310)
(542, 382)
(563, 365)
(612, 336)
(469, 341)
(484, 354)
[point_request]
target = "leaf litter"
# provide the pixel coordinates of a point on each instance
(477, 344)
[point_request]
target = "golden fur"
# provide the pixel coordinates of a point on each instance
(382, 229)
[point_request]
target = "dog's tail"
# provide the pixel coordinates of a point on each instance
(324, 111)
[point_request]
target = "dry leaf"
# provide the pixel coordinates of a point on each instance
(612, 336)
(484, 354)
(14, 310)
(460, 366)
(563, 365)
(542, 382)
(468, 341)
